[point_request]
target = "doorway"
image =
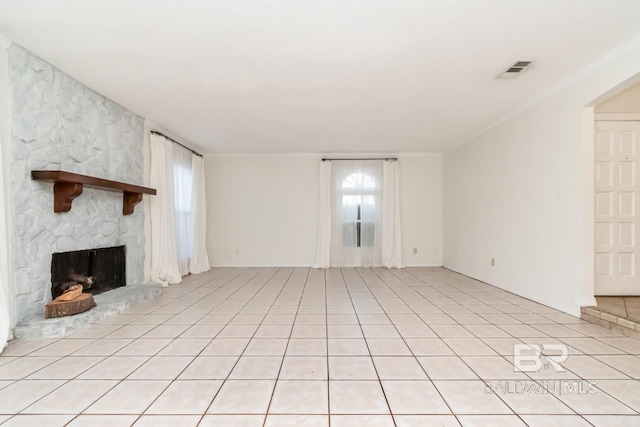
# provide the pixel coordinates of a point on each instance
(617, 253)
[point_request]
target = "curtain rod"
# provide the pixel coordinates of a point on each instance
(176, 142)
(369, 158)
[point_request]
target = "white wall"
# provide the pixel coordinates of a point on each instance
(522, 193)
(263, 209)
(421, 209)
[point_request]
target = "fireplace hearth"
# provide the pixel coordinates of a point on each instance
(97, 270)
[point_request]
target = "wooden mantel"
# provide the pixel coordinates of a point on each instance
(67, 186)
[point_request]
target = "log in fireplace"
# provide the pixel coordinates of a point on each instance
(97, 270)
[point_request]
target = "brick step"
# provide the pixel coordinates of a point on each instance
(621, 325)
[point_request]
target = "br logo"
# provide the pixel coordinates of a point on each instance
(528, 357)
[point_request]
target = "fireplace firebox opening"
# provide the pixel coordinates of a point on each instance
(97, 270)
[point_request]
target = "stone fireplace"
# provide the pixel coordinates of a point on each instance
(57, 123)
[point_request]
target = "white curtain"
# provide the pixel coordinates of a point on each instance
(199, 258)
(391, 232)
(5, 291)
(324, 239)
(164, 257)
(182, 189)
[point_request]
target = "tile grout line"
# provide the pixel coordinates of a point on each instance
(384, 393)
(275, 384)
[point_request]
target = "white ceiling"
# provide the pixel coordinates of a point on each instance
(302, 76)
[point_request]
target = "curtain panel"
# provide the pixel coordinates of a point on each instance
(391, 225)
(199, 258)
(323, 255)
(178, 212)
(5, 287)
(165, 268)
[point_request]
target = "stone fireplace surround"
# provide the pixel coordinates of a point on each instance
(57, 123)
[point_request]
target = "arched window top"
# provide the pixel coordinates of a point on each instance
(359, 180)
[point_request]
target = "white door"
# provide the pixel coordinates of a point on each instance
(617, 259)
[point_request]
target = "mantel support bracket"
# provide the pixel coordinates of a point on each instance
(129, 200)
(63, 195)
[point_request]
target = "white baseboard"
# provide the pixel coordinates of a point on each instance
(423, 265)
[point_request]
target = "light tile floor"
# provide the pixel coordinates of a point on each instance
(284, 347)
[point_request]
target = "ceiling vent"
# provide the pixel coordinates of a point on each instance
(515, 70)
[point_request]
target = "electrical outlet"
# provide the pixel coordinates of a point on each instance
(415, 250)
(493, 262)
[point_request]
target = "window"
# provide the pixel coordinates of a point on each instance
(358, 207)
(352, 232)
(182, 181)
(358, 210)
